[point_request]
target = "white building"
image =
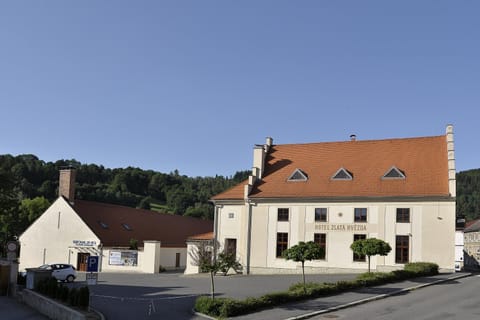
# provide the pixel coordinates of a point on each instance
(399, 190)
(70, 231)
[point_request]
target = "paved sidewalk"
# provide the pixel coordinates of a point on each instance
(12, 309)
(310, 308)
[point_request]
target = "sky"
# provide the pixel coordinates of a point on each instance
(194, 85)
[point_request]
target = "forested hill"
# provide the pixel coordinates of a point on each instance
(134, 187)
(171, 193)
(468, 194)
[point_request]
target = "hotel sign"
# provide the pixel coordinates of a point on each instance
(83, 243)
(341, 227)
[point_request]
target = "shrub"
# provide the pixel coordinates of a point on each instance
(209, 306)
(422, 268)
(73, 297)
(83, 297)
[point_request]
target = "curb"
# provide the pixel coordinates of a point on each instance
(199, 314)
(378, 297)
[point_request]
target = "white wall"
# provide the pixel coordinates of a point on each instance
(50, 239)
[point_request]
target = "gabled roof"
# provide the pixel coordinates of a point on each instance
(423, 160)
(171, 230)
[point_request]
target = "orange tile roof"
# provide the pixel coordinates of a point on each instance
(422, 160)
(171, 230)
(203, 236)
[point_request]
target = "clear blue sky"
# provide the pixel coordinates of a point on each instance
(193, 85)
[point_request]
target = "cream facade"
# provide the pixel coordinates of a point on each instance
(398, 194)
(427, 221)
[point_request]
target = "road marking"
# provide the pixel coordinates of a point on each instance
(144, 299)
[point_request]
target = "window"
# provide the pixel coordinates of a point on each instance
(282, 243)
(231, 215)
(401, 249)
(298, 175)
(394, 173)
(103, 224)
(403, 215)
(126, 227)
(282, 214)
(342, 174)
(321, 240)
(320, 214)
(359, 257)
(360, 215)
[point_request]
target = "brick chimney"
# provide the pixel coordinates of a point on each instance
(66, 186)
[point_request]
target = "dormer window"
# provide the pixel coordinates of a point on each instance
(394, 173)
(103, 224)
(126, 227)
(342, 174)
(298, 175)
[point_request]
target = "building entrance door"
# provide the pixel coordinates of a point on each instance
(177, 260)
(82, 260)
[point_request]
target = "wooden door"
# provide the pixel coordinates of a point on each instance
(177, 260)
(82, 260)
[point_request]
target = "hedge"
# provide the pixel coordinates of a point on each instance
(228, 307)
(76, 297)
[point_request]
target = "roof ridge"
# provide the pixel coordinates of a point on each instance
(358, 141)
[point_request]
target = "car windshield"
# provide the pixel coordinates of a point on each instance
(45, 266)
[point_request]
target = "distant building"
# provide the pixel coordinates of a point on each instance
(472, 245)
(70, 231)
(399, 190)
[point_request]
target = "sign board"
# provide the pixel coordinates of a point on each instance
(91, 278)
(92, 264)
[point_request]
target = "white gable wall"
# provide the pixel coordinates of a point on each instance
(50, 239)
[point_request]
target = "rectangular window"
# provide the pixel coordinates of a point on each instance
(231, 215)
(320, 214)
(282, 214)
(321, 240)
(282, 243)
(359, 257)
(360, 214)
(401, 249)
(403, 215)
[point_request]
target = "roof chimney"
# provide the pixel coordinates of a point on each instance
(353, 137)
(66, 186)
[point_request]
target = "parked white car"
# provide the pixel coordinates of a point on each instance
(61, 271)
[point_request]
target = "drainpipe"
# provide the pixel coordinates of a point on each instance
(215, 230)
(249, 235)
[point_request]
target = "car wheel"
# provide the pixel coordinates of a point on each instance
(70, 278)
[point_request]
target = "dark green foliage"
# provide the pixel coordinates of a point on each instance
(76, 297)
(468, 194)
(227, 261)
(226, 307)
(83, 297)
(32, 184)
(370, 247)
(422, 268)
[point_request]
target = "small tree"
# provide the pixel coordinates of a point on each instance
(227, 261)
(304, 251)
(370, 247)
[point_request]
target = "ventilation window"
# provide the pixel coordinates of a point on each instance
(298, 175)
(342, 174)
(394, 173)
(103, 224)
(127, 227)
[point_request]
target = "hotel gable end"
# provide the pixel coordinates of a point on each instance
(399, 190)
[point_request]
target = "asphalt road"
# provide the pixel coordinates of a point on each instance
(457, 299)
(172, 295)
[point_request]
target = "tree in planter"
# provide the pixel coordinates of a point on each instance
(370, 247)
(304, 251)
